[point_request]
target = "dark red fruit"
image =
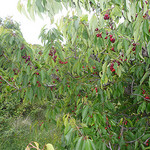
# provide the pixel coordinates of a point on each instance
(112, 49)
(134, 48)
(106, 17)
(106, 37)
(96, 29)
(112, 40)
(110, 36)
(37, 73)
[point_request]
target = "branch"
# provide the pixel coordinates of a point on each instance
(9, 83)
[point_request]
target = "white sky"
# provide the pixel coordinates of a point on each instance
(30, 29)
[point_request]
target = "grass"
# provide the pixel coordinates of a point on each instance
(22, 131)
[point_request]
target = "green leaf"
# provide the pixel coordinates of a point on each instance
(39, 5)
(144, 77)
(146, 26)
(136, 145)
(79, 144)
(148, 48)
(84, 112)
(93, 24)
(49, 146)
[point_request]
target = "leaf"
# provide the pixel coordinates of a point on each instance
(148, 48)
(136, 145)
(146, 26)
(93, 23)
(79, 144)
(49, 146)
(144, 77)
(39, 5)
(84, 112)
(88, 145)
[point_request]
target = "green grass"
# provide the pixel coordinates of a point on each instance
(21, 131)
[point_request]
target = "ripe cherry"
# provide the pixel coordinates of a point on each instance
(96, 29)
(112, 40)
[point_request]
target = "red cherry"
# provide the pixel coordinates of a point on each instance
(105, 128)
(112, 40)
(82, 66)
(113, 70)
(106, 37)
(96, 29)
(134, 48)
(146, 144)
(147, 97)
(149, 30)
(134, 44)
(0, 77)
(37, 81)
(112, 49)
(53, 81)
(37, 73)
(110, 36)
(94, 67)
(143, 92)
(106, 15)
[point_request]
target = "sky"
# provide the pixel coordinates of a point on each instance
(30, 29)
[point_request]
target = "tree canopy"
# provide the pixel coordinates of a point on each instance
(93, 72)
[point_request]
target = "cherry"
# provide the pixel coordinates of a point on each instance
(1, 77)
(112, 49)
(112, 40)
(134, 48)
(106, 17)
(94, 67)
(147, 97)
(96, 29)
(134, 44)
(146, 2)
(82, 66)
(37, 73)
(113, 70)
(37, 81)
(143, 92)
(99, 35)
(146, 144)
(106, 37)
(110, 36)
(53, 81)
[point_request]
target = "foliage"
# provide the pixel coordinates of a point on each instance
(93, 70)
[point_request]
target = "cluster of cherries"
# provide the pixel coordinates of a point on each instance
(100, 35)
(52, 53)
(15, 70)
(38, 83)
(147, 97)
(106, 17)
(134, 47)
(61, 62)
(27, 58)
(112, 65)
(0, 79)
